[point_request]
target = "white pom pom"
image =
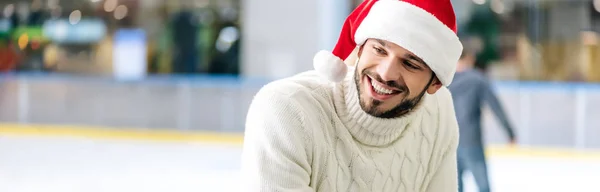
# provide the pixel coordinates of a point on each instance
(330, 66)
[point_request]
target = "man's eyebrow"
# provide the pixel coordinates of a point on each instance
(381, 42)
(413, 57)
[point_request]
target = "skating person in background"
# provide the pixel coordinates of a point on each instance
(385, 123)
(470, 90)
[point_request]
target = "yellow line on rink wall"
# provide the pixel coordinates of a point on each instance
(237, 139)
(120, 133)
(538, 152)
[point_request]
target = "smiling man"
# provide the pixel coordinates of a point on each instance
(386, 123)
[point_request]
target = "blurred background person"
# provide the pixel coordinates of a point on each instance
(471, 90)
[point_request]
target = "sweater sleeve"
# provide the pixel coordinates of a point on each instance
(276, 148)
(492, 100)
(445, 178)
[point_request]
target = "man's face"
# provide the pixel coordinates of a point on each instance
(390, 79)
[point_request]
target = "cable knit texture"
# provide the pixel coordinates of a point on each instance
(307, 134)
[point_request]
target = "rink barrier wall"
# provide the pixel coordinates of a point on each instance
(544, 114)
(236, 139)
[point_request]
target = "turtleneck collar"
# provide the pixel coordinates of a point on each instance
(365, 128)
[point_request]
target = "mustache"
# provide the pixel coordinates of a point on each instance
(378, 78)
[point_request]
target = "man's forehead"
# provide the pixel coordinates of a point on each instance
(389, 44)
(392, 45)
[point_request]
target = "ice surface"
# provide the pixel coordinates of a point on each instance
(62, 164)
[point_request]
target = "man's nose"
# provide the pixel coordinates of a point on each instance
(389, 70)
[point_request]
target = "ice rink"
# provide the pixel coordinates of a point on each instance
(30, 163)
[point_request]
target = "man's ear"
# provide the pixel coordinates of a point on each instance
(436, 85)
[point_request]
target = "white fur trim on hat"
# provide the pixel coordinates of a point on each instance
(416, 30)
(330, 66)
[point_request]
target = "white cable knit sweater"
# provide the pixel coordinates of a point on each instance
(306, 134)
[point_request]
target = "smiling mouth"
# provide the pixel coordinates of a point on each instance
(378, 91)
(381, 90)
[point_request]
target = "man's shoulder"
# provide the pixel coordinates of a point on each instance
(303, 90)
(301, 98)
(306, 84)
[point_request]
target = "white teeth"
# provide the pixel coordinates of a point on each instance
(380, 89)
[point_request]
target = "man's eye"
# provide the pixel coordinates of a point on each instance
(379, 51)
(410, 65)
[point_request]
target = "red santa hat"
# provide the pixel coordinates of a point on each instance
(427, 28)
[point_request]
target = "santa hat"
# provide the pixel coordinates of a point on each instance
(427, 28)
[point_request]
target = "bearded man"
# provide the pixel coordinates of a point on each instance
(385, 122)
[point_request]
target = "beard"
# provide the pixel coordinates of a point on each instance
(399, 110)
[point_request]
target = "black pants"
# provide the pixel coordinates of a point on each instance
(472, 159)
